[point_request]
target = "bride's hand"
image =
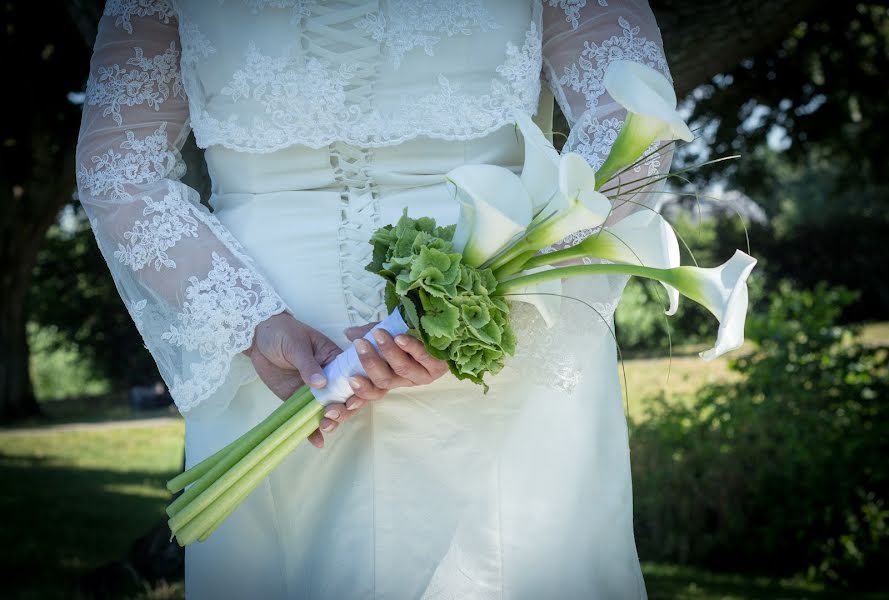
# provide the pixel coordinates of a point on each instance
(401, 362)
(286, 354)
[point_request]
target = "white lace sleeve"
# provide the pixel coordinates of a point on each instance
(194, 295)
(580, 39)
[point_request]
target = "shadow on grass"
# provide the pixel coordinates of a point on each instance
(90, 409)
(61, 522)
(669, 582)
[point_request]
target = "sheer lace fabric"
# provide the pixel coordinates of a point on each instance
(193, 293)
(349, 75)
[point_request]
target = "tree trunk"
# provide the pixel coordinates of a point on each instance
(16, 394)
(705, 37)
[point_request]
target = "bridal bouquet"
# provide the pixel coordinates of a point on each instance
(451, 286)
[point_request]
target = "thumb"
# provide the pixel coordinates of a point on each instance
(353, 333)
(301, 356)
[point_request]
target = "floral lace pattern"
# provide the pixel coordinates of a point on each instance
(151, 159)
(421, 23)
(306, 100)
(542, 353)
(195, 326)
(124, 10)
(586, 75)
(171, 220)
(152, 81)
(217, 321)
(572, 9)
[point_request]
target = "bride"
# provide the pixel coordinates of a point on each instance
(321, 121)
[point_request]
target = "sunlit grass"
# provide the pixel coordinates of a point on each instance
(75, 499)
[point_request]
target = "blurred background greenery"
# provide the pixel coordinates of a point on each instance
(762, 475)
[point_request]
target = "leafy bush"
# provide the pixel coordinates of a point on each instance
(785, 471)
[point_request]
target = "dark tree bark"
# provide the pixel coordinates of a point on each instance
(705, 37)
(36, 171)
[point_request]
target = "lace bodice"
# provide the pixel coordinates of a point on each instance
(260, 75)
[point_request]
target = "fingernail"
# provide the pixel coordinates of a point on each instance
(355, 405)
(317, 380)
(354, 383)
(332, 414)
(401, 340)
(363, 346)
(327, 427)
(380, 337)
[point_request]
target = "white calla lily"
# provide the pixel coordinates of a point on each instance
(723, 291)
(544, 296)
(540, 171)
(494, 208)
(642, 238)
(575, 206)
(651, 113)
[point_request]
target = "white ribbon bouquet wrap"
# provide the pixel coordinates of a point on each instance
(451, 286)
(348, 364)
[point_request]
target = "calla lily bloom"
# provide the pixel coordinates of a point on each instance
(575, 206)
(494, 208)
(642, 238)
(651, 114)
(721, 290)
(540, 172)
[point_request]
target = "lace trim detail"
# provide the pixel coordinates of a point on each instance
(421, 23)
(217, 321)
(586, 75)
(152, 159)
(149, 240)
(125, 9)
(572, 9)
(541, 353)
(306, 100)
(153, 81)
(195, 44)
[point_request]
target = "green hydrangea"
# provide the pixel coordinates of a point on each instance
(447, 303)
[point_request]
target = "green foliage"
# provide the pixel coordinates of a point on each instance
(74, 295)
(785, 470)
(449, 304)
(58, 371)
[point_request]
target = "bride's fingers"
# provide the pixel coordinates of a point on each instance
(378, 370)
(316, 439)
(364, 389)
(353, 333)
(401, 363)
(336, 412)
(415, 348)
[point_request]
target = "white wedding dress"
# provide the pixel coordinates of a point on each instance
(321, 121)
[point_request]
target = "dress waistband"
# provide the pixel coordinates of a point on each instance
(415, 163)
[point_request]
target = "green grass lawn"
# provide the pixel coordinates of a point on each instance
(75, 497)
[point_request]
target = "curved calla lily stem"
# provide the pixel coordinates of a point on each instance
(721, 290)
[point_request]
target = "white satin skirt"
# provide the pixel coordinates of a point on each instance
(438, 491)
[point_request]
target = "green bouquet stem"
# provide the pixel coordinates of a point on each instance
(636, 136)
(238, 449)
(669, 276)
(193, 474)
(593, 246)
(216, 498)
(203, 524)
